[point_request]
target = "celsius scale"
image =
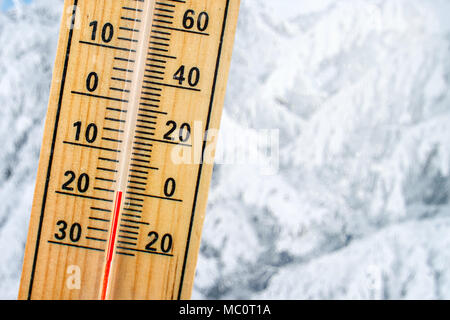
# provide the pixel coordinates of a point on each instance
(116, 214)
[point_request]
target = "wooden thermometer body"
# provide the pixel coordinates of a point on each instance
(122, 185)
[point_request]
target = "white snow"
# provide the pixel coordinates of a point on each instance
(359, 207)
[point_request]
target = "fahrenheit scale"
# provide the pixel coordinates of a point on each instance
(118, 206)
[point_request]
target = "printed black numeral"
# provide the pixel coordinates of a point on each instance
(92, 82)
(183, 134)
(189, 20)
(82, 182)
(170, 187)
(90, 133)
(193, 77)
(107, 31)
(166, 243)
(74, 231)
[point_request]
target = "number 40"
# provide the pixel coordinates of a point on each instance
(193, 76)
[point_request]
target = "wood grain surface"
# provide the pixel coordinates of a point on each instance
(137, 94)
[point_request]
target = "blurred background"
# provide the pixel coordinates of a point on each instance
(359, 205)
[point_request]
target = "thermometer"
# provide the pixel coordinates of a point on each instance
(121, 193)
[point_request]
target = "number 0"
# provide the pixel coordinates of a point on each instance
(169, 187)
(92, 82)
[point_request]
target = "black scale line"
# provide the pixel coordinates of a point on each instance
(76, 246)
(127, 237)
(97, 229)
(119, 110)
(132, 210)
(120, 100)
(131, 215)
(101, 209)
(149, 252)
(49, 167)
(128, 232)
(125, 254)
(134, 205)
(200, 170)
(134, 199)
(96, 239)
(83, 196)
(126, 242)
(99, 219)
